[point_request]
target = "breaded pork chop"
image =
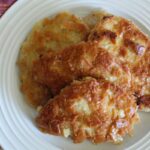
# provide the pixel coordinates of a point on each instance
(48, 34)
(123, 39)
(56, 70)
(90, 109)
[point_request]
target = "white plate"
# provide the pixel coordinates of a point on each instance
(17, 127)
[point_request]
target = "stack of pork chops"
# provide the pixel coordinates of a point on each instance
(87, 76)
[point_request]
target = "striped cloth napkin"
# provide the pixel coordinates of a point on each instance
(4, 5)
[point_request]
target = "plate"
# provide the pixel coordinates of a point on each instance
(17, 127)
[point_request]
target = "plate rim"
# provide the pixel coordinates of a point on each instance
(5, 19)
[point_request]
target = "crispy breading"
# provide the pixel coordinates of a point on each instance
(56, 70)
(35, 93)
(58, 32)
(141, 71)
(90, 109)
(48, 34)
(120, 37)
(124, 40)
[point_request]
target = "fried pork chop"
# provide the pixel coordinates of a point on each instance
(124, 40)
(47, 35)
(90, 109)
(56, 70)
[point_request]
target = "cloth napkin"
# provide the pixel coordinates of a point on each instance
(4, 5)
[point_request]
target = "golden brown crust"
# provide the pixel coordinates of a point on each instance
(60, 31)
(56, 70)
(141, 71)
(48, 34)
(35, 93)
(120, 33)
(123, 39)
(108, 113)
